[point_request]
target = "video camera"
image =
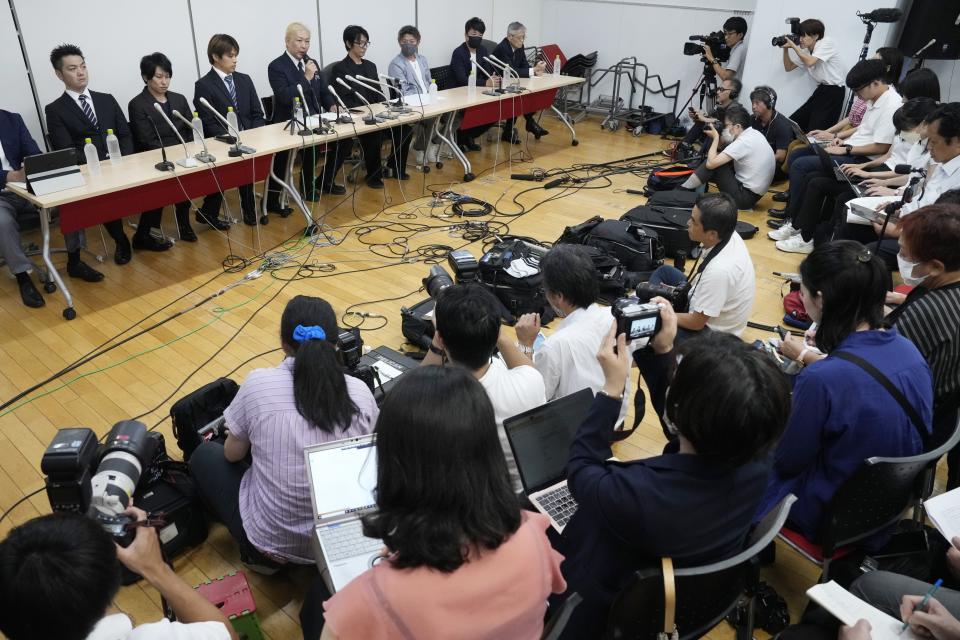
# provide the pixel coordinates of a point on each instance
(716, 41)
(793, 36)
(677, 296)
(636, 319)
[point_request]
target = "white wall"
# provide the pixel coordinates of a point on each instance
(949, 74)
(16, 95)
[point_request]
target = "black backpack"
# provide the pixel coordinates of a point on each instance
(517, 294)
(668, 178)
(195, 410)
(636, 247)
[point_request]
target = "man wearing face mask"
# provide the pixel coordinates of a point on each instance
(469, 65)
(745, 167)
(411, 68)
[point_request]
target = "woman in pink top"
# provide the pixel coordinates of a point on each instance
(463, 561)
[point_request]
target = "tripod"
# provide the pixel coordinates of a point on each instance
(706, 86)
(863, 55)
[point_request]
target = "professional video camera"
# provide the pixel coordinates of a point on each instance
(716, 41)
(677, 296)
(793, 36)
(636, 319)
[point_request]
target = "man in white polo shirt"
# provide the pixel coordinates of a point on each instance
(745, 167)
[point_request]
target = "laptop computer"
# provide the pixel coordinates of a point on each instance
(343, 475)
(830, 166)
(540, 440)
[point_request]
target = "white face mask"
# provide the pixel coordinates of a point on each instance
(727, 137)
(906, 272)
(910, 137)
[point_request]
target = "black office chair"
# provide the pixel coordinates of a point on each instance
(930, 473)
(871, 501)
(267, 103)
(704, 595)
(578, 66)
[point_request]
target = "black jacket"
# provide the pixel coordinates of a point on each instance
(284, 78)
(460, 65)
(248, 108)
(514, 57)
(143, 113)
(347, 67)
(69, 126)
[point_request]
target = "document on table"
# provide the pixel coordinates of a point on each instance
(944, 512)
(848, 608)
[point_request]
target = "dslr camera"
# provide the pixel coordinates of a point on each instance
(465, 269)
(677, 296)
(716, 41)
(636, 319)
(793, 36)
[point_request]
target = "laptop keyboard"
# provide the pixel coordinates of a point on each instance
(558, 504)
(347, 540)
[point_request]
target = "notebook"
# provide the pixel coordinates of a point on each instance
(848, 608)
(944, 512)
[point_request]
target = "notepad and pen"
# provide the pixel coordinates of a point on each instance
(944, 512)
(848, 608)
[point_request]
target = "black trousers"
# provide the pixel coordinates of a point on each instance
(822, 109)
(308, 181)
(818, 200)
(725, 178)
(248, 204)
(400, 139)
(151, 219)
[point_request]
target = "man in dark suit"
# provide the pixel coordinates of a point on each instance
(510, 52)
(464, 57)
(294, 67)
(15, 144)
(80, 114)
(223, 87)
(151, 131)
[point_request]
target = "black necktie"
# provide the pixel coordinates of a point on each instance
(300, 66)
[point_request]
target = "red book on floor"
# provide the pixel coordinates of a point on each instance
(231, 594)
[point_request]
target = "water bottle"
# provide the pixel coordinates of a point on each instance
(93, 158)
(113, 147)
(556, 66)
(232, 119)
(472, 85)
(297, 110)
(433, 91)
(197, 125)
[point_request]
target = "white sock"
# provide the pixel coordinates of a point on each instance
(692, 182)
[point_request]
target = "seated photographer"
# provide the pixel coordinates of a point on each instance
(775, 127)
(841, 414)
(306, 400)
(819, 56)
(727, 94)
(734, 31)
(461, 559)
(468, 334)
(929, 316)
(60, 572)
(567, 357)
(745, 167)
(727, 405)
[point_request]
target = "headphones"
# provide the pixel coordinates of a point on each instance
(767, 95)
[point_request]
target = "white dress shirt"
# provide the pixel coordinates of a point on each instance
(76, 98)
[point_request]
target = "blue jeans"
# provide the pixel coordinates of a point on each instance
(667, 275)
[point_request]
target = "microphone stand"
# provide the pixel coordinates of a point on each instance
(187, 162)
(365, 83)
(321, 128)
(894, 207)
(345, 117)
(163, 165)
(508, 72)
(370, 119)
(238, 148)
(393, 83)
(205, 155)
(492, 91)
(863, 53)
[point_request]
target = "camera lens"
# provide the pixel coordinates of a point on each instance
(437, 280)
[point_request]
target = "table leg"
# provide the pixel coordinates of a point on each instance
(467, 169)
(565, 121)
(295, 197)
(69, 313)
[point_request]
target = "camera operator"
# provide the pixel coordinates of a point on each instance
(60, 572)
(819, 56)
(468, 334)
(727, 94)
(745, 167)
(734, 31)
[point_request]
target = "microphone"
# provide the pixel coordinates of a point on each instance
(238, 148)
(367, 83)
(882, 15)
(163, 165)
(906, 169)
(203, 156)
(932, 42)
(554, 183)
(526, 176)
(370, 119)
(390, 80)
(345, 117)
(508, 71)
(303, 99)
(187, 161)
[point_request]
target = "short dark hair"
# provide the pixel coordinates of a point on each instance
(62, 51)
(933, 233)
(736, 86)
(468, 320)
(892, 59)
(912, 113)
(352, 33)
(220, 45)
(852, 281)
(737, 114)
(718, 212)
(812, 27)
(150, 63)
(443, 490)
(949, 197)
(319, 388)
(408, 30)
(58, 575)
(865, 72)
(568, 270)
(475, 24)
(948, 117)
(737, 24)
(727, 398)
(920, 83)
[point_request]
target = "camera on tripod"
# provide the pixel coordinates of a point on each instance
(793, 36)
(677, 296)
(716, 41)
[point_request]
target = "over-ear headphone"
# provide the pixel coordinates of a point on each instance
(767, 95)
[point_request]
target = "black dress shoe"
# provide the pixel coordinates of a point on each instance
(536, 130)
(469, 145)
(334, 189)
(187, 234)
(779, 214)
(250, 221)
(403, 176)
(123, 253)
(213, 221)
(510, 136)
(284, 211)
(374, 182)
(149, 243)
(776, 224)
(85, 272)
(783, 196)
(29, 294)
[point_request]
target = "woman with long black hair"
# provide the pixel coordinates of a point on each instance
(306, 400)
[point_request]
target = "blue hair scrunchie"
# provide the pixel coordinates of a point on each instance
(302, 333)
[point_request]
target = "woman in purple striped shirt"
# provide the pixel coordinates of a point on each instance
(264, 500)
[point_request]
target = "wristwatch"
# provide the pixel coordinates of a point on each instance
(849, 148)
(524, 349)
(618, 398)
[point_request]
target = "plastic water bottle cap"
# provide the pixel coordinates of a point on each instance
(196, 114)
(229, 109)
(109, 132)
(87, 141)
(297, 100)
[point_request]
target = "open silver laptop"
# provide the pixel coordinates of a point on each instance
(343, 475)
(540, 440)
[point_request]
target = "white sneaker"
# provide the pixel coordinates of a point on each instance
(783, 233)
(795, 244)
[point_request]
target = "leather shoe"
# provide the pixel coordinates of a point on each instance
(122, 254)
(510, 136)
(776, 224)
(374, 182)
(85, 272)
(469, 145)
(403, 176)
(149, 243)
(783, 196)
(779, 214)
(29, 294)
(274, 207)
(536, 130)
(334, 189)
(187, 234)
(215, 222)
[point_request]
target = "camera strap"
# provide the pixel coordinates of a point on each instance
(698, 267)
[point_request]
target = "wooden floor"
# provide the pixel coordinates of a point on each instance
(225, 335)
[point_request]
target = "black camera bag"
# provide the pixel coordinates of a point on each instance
(195, 410)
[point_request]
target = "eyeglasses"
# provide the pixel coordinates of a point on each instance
(719, 89)
(729, 33)
(362, 45)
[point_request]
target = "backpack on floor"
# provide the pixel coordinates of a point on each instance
(668, 178)
(198, 409)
